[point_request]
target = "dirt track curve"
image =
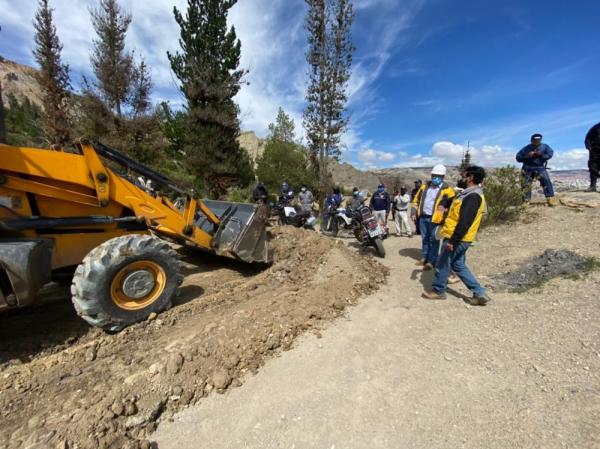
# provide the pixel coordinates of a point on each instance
(402, 372)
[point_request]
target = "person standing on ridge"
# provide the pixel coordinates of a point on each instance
(381, 204)
(427, 210)
(534, 158)
(592, 143)
(459, 231)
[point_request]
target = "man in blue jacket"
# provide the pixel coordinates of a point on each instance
(333, 201)
(534, 158)
(381, 204)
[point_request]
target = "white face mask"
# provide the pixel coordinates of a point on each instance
(303, 189)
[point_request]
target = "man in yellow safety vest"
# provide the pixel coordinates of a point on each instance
(458, 233)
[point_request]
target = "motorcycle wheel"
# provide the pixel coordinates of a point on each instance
(379, 249)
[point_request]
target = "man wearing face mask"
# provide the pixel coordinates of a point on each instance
(428, 210)
(401, 205)
(380, 204)
(459, 231)
(534, 158)
(306, 199)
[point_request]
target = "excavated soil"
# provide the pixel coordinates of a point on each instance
(66, 385)
(551, 264)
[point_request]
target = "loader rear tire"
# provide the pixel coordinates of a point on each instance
(125, 279)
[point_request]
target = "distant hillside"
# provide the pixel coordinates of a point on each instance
(348, 176)
(19, 80)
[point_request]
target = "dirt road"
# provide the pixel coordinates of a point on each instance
(402, 372)
(64, 384)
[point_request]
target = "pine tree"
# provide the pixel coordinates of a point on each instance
(283, 129)
(328, 23)
(112, 64)
(208, 70)
(140, 90)
(466, 160)
(53, 76)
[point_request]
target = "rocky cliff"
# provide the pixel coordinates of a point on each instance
(19, 80)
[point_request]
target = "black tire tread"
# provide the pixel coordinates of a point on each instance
(84, 287)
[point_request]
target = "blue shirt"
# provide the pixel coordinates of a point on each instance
(536, 161)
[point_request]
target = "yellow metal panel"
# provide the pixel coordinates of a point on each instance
(98, 173)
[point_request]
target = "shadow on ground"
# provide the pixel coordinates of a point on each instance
(413, 253)
(51, 325)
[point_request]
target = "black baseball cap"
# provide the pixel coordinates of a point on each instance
(536, 136)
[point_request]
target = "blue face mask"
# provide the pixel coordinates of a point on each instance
(380, 189)
(436, 181)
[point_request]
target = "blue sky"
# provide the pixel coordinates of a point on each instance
(429, 75)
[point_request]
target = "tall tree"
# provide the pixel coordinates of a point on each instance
(2, 122)
(141, 88)
(208, 70)
(328, 23)
(113, 65)
(283, 129)
(53, 76)
(466, 159)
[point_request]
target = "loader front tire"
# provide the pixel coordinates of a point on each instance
(125, 279)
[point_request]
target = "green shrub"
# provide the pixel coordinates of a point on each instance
(239, 195)
(504, 195)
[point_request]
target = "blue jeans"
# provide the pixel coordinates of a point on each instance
(529, 174)
(457, 261)
(431, 246)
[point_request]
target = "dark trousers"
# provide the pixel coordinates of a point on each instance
(529, 174)
(431, 246)
(594, 167)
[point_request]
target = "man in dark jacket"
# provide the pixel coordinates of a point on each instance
(286, 194)
(459, 231)
(534, 158)
(592, 143)
(333, 201)
(260, 193)
(380, 204)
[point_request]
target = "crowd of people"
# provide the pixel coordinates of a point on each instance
(446, 217)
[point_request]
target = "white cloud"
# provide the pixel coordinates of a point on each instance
(370, 157)
(449, 153)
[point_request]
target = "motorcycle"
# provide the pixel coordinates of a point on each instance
(344, 220)
(368, 230)
(294, 216)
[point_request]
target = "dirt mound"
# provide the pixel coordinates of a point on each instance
(66, 385)
(549, 265)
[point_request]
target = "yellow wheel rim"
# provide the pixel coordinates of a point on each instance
(137, 285)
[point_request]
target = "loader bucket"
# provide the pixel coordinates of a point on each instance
(242, 234)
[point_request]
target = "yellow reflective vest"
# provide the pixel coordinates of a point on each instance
(445, 192)
(453, 216)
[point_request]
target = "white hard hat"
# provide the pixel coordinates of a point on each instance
(439, 170)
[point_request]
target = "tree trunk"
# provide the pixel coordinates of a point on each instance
(2, 123)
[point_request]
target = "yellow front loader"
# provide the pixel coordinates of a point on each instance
(61, 211)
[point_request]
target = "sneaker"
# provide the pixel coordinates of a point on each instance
(427, 267)
(479, 300)
(453, 279)
(434, 295)
(552, 201)
(409, 236)
(421, 262)
(591, 189)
